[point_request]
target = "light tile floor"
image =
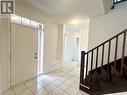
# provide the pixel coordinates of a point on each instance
(63, 81)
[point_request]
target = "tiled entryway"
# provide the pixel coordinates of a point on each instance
(63, 81)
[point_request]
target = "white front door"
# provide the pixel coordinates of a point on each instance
(24, 51)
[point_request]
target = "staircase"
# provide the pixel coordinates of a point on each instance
(109, 77)
(116, 2)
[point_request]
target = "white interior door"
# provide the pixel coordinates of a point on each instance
(24, 47)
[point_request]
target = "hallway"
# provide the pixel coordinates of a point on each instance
(63, 81)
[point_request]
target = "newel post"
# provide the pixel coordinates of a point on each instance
(82, 67)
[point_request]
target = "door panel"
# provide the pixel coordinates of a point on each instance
(24, 47)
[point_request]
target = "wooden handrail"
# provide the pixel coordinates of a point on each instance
(85, 59)
(119, 1)
(116, 2)
(107, 41)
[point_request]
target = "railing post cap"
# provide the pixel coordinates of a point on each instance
(83, 52)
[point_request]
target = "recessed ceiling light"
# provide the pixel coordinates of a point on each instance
(75, 21)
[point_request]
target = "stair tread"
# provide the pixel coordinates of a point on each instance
(103, 87)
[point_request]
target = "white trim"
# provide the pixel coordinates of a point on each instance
(19, 20)
(85, 86)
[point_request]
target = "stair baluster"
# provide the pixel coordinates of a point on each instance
(123, 53)
(109, 66)
(87, 66)
(91, 65)
(116, 48)
(95, 75)
(82, 67)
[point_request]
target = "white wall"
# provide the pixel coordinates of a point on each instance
(106, 26)
(4, 53)
(84, 29)
(60, 43)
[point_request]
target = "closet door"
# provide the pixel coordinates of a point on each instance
(24, 51)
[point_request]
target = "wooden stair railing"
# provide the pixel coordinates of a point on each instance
(116, 2)
(90, 75)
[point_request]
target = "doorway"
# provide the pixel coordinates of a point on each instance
(26, 53)
(72, 44)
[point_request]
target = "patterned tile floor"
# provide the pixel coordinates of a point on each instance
(63, 81)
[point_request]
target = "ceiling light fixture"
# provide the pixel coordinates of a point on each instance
(75, 21)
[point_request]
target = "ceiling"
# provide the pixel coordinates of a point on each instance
(67, 10)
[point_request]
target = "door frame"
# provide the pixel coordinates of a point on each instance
(10, 44)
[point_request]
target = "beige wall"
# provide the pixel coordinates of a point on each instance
(0, 84)
(107, 5)
(4, 53)
(0, 58)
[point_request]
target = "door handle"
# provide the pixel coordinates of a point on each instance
(35, 57)
(35, 53)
